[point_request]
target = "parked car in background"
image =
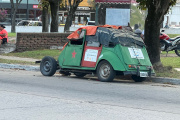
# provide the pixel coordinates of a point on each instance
(29, 23)
(90, 23)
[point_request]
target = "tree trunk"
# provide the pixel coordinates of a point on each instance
(54, 15)
(156, 11)
(14, 8)
(45, 19)
(13, 24)
(73, 6)
(152, 41)
(69, 20)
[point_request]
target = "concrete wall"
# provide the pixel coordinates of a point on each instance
(173, 16)
(38, 28)
(35, 41)
(172, 31)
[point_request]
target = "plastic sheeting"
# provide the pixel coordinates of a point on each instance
(107, 36)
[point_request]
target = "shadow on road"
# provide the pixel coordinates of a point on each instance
(118, 79)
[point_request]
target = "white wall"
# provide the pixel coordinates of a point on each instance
(174, 16)
(172, 31)
(37, 28)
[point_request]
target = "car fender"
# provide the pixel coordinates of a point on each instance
(113, 59)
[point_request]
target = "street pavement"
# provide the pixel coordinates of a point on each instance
(36, 68)
(27, 95)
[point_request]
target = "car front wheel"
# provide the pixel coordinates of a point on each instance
(105, 72)
(48, 66)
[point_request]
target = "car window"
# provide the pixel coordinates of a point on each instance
(77, 42)
(25, 23)
(93, 43)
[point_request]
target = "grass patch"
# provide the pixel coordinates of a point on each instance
(11, 34)
(173, 35)
(16, 62)
(37, 54)
(170, 52)
(171, 61)
(168, 70)
(171, 73)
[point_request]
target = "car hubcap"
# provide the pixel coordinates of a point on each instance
(47, 66)
(105, 71)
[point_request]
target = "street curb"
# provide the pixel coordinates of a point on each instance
(172, 81)
(21, 67)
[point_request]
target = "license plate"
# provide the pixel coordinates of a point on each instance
(143, 74)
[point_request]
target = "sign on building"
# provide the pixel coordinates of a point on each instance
(117, 16)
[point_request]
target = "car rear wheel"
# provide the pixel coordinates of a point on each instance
(138, 78)
(105, 72)
(48, 66)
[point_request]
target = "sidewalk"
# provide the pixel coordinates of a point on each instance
(172, 81)
(18, 58)
(17, 66)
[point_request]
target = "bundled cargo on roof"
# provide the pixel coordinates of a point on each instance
(108, 35)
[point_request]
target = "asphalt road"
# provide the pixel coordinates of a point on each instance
(26, 95)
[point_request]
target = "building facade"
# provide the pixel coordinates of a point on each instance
(27, 10)
(172, 19)
(85, 12)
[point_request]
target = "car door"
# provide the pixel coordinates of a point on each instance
(73, 52)
(92, 50)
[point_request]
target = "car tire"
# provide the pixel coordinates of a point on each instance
(138, 78)
(48, 66)
(80, 74)
(105, 72)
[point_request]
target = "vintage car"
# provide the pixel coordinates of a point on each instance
(105, 51)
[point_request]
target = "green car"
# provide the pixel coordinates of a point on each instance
(107, 53)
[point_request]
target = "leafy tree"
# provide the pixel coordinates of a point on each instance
(3, 15)
(14, 8)
(91, 3)
(156, 10)
(73, 4)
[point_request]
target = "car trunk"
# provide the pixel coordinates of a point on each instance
(135, 56)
